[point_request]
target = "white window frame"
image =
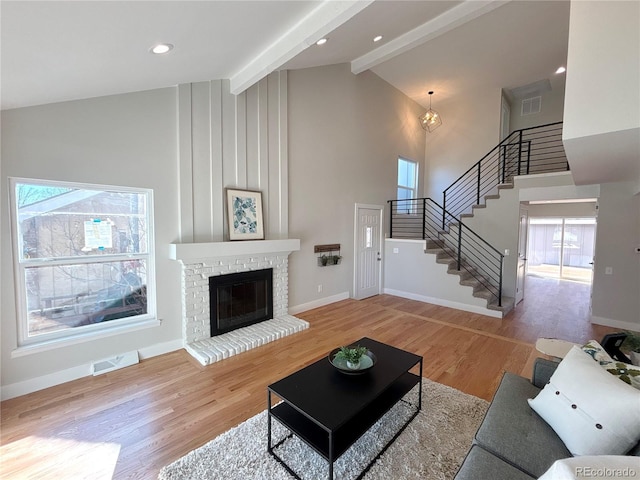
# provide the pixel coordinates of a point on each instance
(413, 190)
(45, 341)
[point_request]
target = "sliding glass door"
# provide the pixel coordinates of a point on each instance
(561, 248)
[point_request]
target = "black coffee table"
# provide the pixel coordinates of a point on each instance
(330, 410)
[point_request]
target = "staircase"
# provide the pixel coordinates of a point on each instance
(478, 264)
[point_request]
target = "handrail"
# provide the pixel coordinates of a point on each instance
(528, 150)
(467, 227)
(420, 217)
(523, 152)
(475, 165)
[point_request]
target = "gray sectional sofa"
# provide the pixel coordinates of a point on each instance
(513, 442)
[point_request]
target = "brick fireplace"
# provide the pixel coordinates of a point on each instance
(200, 261)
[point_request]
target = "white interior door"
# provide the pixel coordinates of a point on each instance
(593, 260)
(368, 251)
(522, 253)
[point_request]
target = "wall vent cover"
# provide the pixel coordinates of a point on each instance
(531, 105)
(114, 363)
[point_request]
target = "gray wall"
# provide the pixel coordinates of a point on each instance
(601, 131)
(551, 110)
(470, 129)
(579, 209)
(125, 140)
(188, 144)
(412, 273)
(345, 135)
(616, 297)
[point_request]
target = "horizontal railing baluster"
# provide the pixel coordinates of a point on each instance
(525, 151)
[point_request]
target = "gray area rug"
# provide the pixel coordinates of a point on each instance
(431, 448)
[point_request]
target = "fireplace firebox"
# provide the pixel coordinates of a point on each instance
(240, 299)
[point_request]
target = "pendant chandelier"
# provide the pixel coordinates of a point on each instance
(431, 119)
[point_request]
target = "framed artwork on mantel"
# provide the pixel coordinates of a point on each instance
(245, 215)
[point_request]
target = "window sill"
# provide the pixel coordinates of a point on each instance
(47, 345)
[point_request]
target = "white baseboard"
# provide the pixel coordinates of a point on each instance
(45, 381)
(161, 348)
(445, 303)
(321, 302)
(34, 384)
(608, 322)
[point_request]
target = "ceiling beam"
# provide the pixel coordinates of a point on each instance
(321, 21)
(458, 15)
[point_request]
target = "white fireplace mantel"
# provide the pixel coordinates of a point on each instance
(200, 262)
(190, 252)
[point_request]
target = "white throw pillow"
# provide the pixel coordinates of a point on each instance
(591, 411)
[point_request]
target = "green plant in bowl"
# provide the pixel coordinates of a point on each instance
(352, 355)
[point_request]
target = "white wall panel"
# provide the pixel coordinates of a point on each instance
(241, 141)
(216, 222)
(229, 139)
(263, 132)
(186, 167)
(233, 141)
(201, 160)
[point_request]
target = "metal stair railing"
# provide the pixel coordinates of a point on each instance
(422, 217)
(524, 152)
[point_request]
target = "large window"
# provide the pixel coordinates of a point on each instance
(407, 179)
(561, 248)
(84, 258)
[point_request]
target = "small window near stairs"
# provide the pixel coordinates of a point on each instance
(407, 179)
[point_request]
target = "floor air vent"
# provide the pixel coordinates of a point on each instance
(114, 363)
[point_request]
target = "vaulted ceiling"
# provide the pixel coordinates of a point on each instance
(54, 51)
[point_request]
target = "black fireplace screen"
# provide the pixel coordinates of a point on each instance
(240, 299)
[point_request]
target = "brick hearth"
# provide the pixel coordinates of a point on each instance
(201, 261)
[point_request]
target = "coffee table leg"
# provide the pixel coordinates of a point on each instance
(420, 391)
(330, 455)
(269, 421)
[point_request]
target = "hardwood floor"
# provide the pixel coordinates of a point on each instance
(131, 422)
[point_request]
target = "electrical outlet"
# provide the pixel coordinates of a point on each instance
(608, 271)
(396, 250)
(320, 288)
(506, 252)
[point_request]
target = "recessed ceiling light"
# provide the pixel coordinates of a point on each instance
(377, 38)
(322, 41)
(161, 48)
(561, 70)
